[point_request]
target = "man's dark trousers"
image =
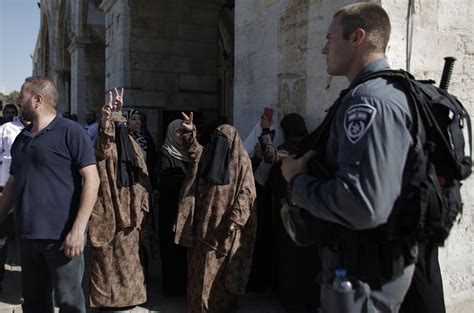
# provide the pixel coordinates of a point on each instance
(7, 231)
(44, 268)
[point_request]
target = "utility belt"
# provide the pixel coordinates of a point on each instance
(368, 254)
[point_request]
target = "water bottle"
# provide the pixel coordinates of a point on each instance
(341, 282)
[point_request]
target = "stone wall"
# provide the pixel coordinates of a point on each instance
(87, 53)
(278, 63)
(165, 55)
(70, 50)
(48, 62)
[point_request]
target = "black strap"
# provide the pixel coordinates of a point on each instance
(318, 138)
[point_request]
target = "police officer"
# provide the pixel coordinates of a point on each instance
(365, 152)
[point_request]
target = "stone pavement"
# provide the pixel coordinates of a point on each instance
(10, 298)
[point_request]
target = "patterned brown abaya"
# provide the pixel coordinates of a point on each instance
(118, 229)
(219, 257)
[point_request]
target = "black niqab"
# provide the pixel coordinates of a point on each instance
(216, 167)
(127, 165)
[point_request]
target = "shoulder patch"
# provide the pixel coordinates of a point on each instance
(357, 121)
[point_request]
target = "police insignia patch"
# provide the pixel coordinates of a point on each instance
(357, 120)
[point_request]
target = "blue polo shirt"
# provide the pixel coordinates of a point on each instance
(48, 184)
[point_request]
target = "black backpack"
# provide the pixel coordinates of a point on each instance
(440, 159)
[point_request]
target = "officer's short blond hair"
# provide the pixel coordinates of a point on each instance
(370, 17)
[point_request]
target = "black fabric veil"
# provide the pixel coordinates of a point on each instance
(216, 167)
(127, 165)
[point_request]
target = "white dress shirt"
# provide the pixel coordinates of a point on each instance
(8, 133)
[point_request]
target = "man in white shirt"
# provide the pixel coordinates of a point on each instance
(8, 133)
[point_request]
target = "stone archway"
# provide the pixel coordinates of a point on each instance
(172, 56)
(87, 53)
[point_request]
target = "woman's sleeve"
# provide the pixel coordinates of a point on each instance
(105, 137)
(191, 144)
(269, 153)
(243, 204)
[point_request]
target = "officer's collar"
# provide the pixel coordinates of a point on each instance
(377, 65)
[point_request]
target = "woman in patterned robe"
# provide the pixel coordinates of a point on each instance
(215, 219)
(118, 228)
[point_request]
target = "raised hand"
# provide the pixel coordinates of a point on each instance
(118, 101)
(107, 108)
(187, 123)
(113, 104)
(264, 122)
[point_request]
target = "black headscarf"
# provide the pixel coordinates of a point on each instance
(216, 164)
(127, 165)
(293, 125)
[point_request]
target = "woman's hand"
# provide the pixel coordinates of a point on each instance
(107, 108)
(264, 122)
(187, 123)
(112, 106)
(118, 101)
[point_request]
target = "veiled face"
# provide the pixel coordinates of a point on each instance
(227, 131)
(178, 137)
(135, 123)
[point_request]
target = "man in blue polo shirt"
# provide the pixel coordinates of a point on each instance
(53, 187)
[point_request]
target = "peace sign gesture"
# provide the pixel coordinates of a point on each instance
(187, 123)
(113, 105)
(118, 101)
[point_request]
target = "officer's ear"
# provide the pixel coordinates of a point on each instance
(358, 37)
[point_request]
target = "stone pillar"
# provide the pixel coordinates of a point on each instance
(61, 79)
(78, 79)
(87, 71)
(117, 35)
